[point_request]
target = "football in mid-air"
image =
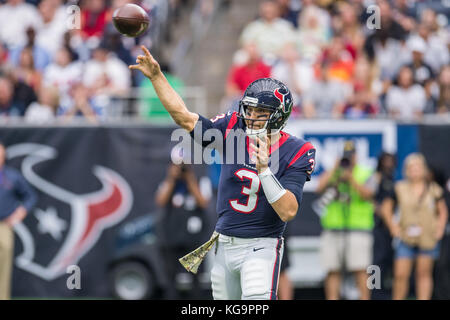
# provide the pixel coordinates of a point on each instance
(131, 20)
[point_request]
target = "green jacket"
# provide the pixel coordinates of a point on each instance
(357, 214)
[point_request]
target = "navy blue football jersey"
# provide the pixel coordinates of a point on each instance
(242, 207)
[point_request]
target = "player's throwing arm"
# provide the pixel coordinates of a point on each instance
(166, 94)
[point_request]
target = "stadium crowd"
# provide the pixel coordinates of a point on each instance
(342, 59)
(345, 59)
(65, 58)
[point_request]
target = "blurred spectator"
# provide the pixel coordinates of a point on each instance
(82, 105)
(382, 240)
(405, 14)
(94, 17)
(360, 105)
(436, 39)
(68, 44)
(422, 72)
(17, 198)
(338, 60)
(26, 71)
(347, 222)
(389, 55)
(51, 35)
(15, 97)
(270, 33)
(294, 73)
(326, 97)
(113, 41)
(313, 33)
(389, 24)
(347, 25)
(287, 12)
(443, 101)
(387, 40)
(246, 71)
(63, 74)
(16, 16)
(106, 74)
(45, 109)
(365, 75)
(406, 100)
(418, 229)
(184, 218)
(7, 104)
(40, 56)
(107, 77)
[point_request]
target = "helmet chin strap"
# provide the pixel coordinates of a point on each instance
(261, 133)
(254, 133)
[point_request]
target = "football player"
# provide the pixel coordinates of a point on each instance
(254, 202)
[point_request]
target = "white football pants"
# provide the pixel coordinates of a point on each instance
(246, 269)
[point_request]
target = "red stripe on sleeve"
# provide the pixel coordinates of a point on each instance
(306, 147)
(231, 124)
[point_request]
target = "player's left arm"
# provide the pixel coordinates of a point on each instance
(284, 195)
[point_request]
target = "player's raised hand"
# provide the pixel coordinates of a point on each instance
(261, 152)
(147, 64)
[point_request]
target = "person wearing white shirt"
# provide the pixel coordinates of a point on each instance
(108, 78)
(43, 111)
(295, 73)
(15, 18)
(270, 32)
(406, 100)
(107, 73)
(54, 17)
(63, 74)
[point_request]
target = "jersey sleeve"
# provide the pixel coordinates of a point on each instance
(293, 180)
(222, 122)
(304, 160)
(299, 171)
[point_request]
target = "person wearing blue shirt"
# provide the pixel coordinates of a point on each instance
(16, 199)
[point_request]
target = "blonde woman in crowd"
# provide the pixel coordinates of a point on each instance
(418, 228)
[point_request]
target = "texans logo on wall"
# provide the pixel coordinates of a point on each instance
(90, 213)
(90, 181)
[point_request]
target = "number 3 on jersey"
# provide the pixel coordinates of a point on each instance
(251, 191)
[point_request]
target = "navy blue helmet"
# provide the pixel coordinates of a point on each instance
(270, 94)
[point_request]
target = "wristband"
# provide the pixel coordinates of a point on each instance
(271, 186)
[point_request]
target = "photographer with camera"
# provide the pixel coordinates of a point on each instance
(347, 222)
(184, 219)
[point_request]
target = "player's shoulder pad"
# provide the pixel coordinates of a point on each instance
(224, 117)
(305, 151)
(225, 121)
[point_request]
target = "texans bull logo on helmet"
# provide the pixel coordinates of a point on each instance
(281, 96)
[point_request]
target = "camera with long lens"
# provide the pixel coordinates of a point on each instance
(349, 151)
(332, 193)
(345, 163)
(327, 197)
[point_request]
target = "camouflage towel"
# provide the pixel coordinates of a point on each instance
(192, 260)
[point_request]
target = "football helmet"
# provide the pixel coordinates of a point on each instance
(269, 94)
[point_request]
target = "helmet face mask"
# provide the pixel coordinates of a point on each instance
(271, 95)
(252, 121)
